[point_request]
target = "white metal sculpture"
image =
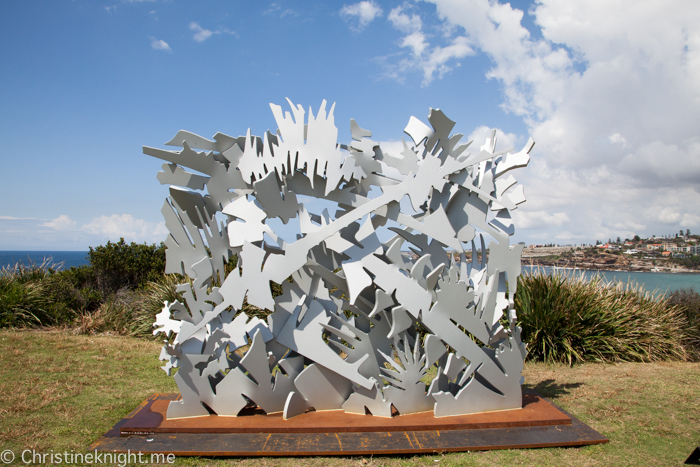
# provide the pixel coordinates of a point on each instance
(360, 321)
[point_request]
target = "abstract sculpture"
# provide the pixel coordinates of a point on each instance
(361, 320)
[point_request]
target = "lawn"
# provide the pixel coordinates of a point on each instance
(62, 391)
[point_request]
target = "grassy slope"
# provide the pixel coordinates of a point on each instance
(61, 392)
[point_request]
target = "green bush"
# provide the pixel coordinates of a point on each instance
(40, 295)
(96, 294)
(688, 301)
(569, 319)
(119, 265)
(71, 292)
(692, 262)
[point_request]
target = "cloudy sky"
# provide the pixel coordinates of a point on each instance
(609, 90)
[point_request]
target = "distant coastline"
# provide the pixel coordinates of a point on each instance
(608, 264)
(631, 257)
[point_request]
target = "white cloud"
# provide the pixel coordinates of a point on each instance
(125, 225)
(159, 44)
(63, 233)
(274, 8)
(611, 95)
(288, 12)
(504, 140)
(61, 223)
(200, 34)
(416, 42)
(618, 138)
(364, 12)
(277, 8)
(403, 22)
(521, 64)
(430, 60)
(539, 219)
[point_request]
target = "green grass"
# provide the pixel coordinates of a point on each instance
(62, 391)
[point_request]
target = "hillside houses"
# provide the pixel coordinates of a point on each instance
(679, 254)
(682, 247)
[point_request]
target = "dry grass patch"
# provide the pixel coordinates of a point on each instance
(62, 391)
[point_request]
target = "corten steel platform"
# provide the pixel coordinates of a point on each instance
(540, 423)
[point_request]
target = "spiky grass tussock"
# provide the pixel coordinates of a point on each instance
(131, 312)
(151, 301)
(22, 298)
(567, 318)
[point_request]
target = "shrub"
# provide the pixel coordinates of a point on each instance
(98, 295)
(114, 314)
(118, 265)
(71, 292)
(688, 301)
(692, 262)
(569, 319)
(40, 295)
(131, 312)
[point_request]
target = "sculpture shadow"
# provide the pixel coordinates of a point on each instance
(551, 389)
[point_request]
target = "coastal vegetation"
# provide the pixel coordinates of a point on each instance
(112, 293)
(564, 319)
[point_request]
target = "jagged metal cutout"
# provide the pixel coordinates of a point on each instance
(381, 280)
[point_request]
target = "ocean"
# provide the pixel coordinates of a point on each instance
(659, 282)
(652, 281)
(62, 259)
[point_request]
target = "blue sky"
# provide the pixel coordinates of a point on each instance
(611, 96)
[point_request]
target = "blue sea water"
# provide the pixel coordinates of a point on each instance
(58, 259)
(652, 281)
(659, 282)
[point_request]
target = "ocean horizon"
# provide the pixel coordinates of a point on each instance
(651, 281)
(57, 259)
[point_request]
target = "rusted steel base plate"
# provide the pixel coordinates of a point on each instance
(151, 418)
(539, 424)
